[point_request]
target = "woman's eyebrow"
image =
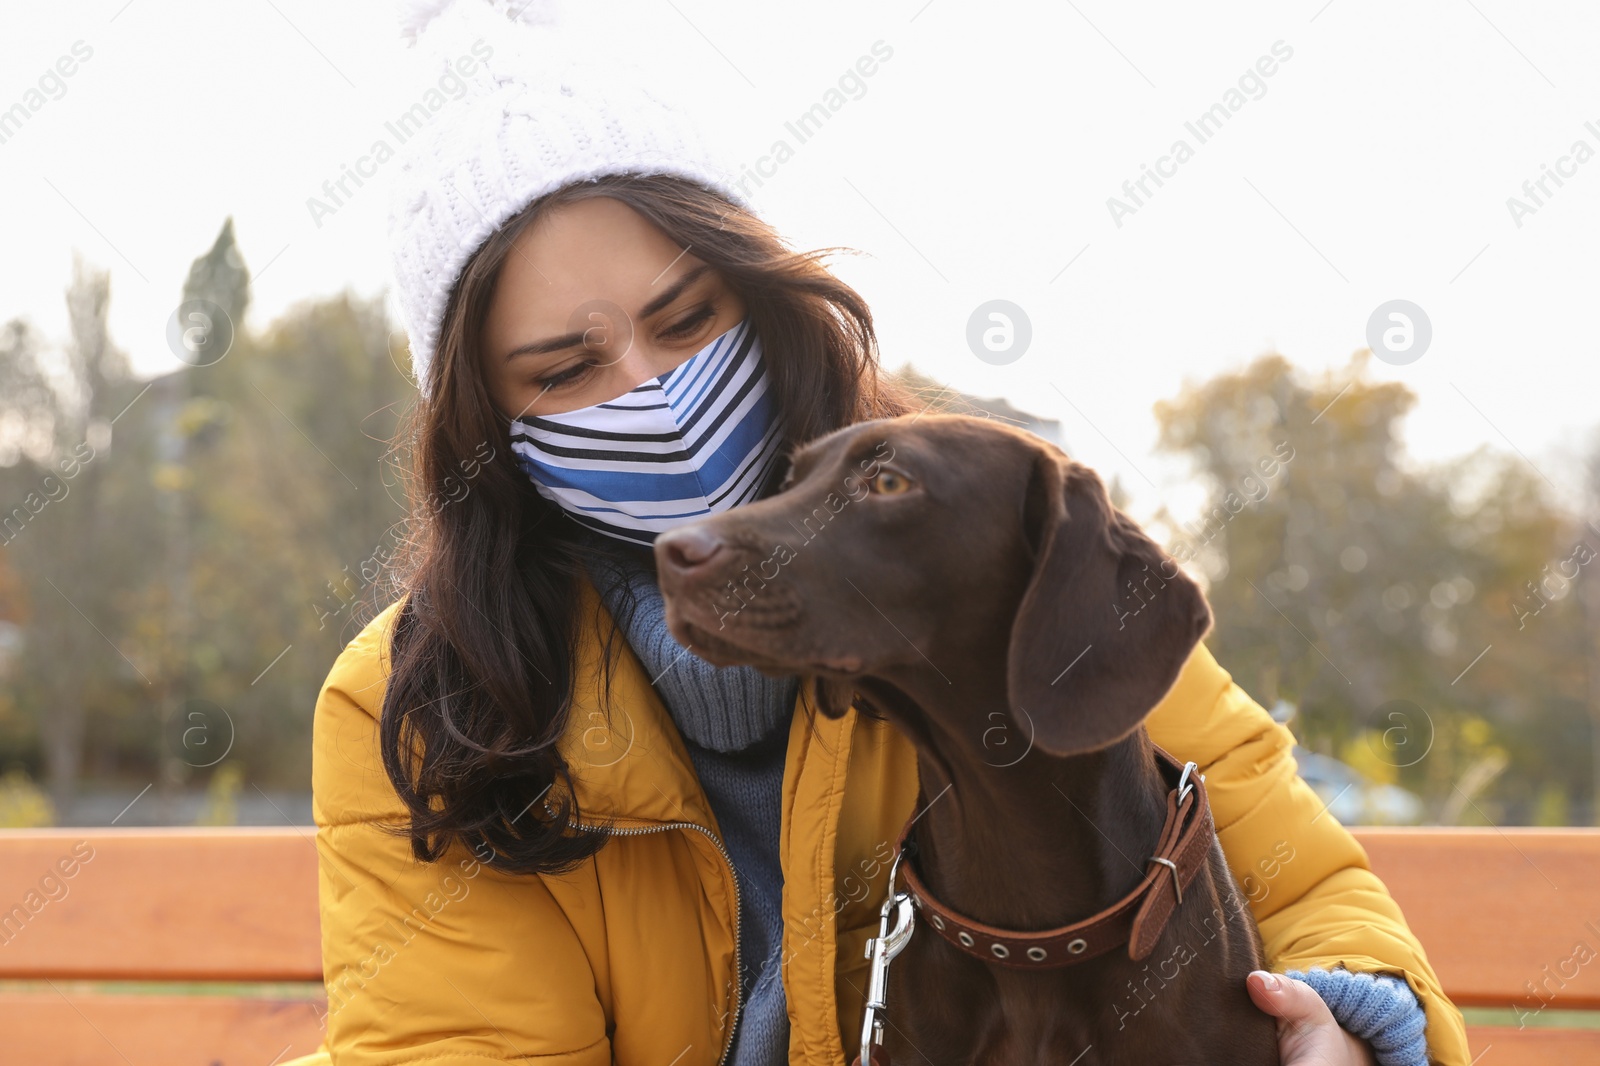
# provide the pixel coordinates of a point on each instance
(556, 344)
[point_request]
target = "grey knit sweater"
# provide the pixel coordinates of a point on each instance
(733, 721)
(733, 724)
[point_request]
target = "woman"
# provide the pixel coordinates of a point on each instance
(574, 334)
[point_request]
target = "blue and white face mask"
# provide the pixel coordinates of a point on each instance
(699, 439)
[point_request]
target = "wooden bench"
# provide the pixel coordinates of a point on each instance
(1501, 913)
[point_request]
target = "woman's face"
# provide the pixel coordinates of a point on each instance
(592, 300)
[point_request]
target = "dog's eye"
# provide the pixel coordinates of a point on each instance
(890, 483)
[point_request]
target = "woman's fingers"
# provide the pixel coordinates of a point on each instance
(1288, 999)
(1308, 1035)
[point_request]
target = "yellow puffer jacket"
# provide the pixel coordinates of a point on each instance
(630, 959)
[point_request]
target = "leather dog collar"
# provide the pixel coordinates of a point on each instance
(1137, 919)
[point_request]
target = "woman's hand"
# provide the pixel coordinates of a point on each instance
(1307, 1033)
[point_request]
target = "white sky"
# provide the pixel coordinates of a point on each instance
(976, 166)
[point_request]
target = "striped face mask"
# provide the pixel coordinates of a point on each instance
(699, 439)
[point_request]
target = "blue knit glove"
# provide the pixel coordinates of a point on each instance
(1378, 1008)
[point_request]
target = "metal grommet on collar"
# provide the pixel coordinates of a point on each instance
(1037, 954)
(1000, 951)
(1078, 946)
(938, 922)
(965, 938)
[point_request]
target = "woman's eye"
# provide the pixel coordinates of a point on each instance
(569, 376)
(889, 483)
(688, 325)
(580, 371)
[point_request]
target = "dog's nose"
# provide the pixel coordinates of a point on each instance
(686, 549)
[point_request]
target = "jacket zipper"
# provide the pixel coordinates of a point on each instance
(738, 1002)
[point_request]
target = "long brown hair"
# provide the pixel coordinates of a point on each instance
(483, 644)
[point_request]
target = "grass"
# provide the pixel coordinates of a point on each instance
(1545, 1019)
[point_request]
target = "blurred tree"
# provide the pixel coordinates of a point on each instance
(229, 543)
(1376, 597)
(27, 422)
(215, 299)
(68, 596)
(22, 804)
(1589, 606)
(29, 409)
(291, 507)
(221, 805)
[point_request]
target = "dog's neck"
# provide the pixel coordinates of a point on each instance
(1029, 842)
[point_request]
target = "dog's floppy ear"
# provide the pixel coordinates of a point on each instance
(1106, 622)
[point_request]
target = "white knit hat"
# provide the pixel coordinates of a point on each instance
(534, 117)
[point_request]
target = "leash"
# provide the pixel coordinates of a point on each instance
(1137, 919)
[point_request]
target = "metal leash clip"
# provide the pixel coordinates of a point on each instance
(882, 949)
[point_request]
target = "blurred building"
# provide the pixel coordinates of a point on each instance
(952, 401)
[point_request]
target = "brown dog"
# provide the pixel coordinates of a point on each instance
(952, 573)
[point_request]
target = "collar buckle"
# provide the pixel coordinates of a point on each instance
(1177, 875)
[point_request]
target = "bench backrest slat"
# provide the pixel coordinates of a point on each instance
(66, 1028)
(155, 904)
(1505, 915)
(1508, 917)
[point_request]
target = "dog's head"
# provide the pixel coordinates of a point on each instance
(926, 544)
